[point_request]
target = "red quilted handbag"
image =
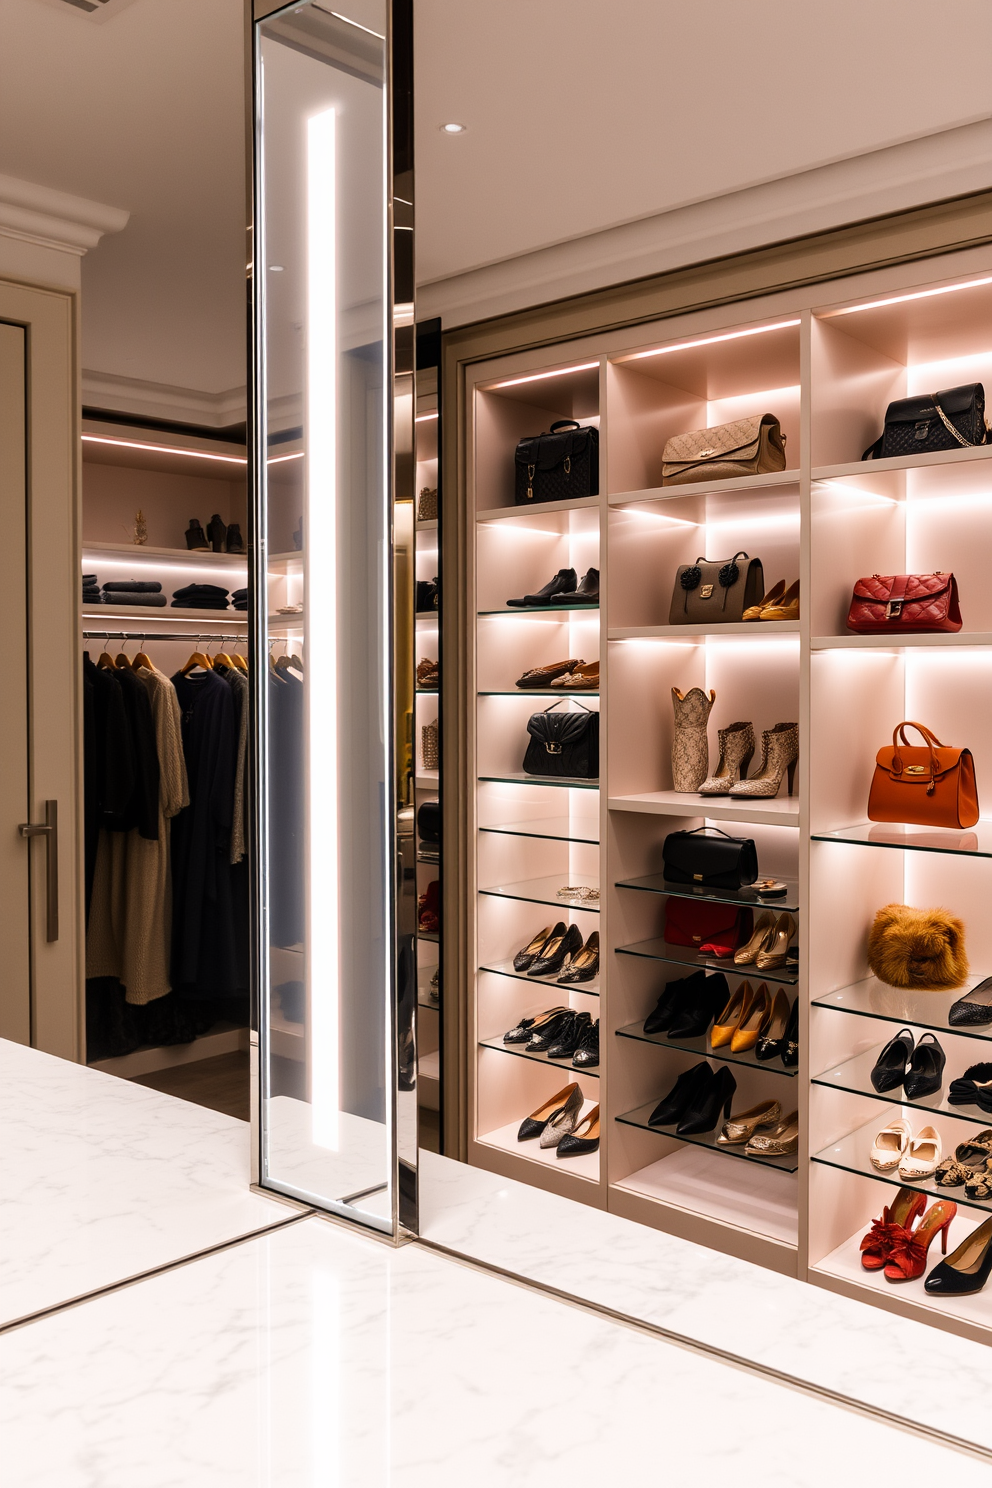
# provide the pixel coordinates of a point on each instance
(886, 604)
(716, 929)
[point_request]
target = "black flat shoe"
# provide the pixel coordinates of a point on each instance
(527, 1027)
(552, 957)
(542, 1038)
(529, 954)
(585, 1137)
(588, 590)
(771, 1044)
(689, 1084)
(667, 1008)
(889, 1069)
(790, 1053)
(926, 1069)
(570, 1036)
(698, 1011)
(974, 1008)
(586, 1055)
(562, 585)
(967, 1270)
(704, 1112)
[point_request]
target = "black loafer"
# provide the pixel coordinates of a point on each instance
(889, 1069)
(563, 584)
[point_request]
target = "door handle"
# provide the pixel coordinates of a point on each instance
(49, 829)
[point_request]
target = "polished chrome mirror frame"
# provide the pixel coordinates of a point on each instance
(399, 1053)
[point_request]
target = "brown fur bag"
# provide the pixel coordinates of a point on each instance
(917, 948)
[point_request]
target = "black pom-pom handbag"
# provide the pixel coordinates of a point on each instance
(716, 591)
(563, 745)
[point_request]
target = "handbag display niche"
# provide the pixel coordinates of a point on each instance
(951, 419)
(714, 862)
(561, 465)
(889, 603)
(719, 927)
(748, 446)
(563, 744)
(716, 591)
(928, 784)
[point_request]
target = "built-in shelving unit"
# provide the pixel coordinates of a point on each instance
(826, 361)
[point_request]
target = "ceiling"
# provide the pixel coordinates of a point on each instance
(580, 114)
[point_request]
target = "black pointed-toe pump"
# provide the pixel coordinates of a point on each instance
(704, 1112)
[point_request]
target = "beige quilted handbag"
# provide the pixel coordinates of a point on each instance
(749, 446)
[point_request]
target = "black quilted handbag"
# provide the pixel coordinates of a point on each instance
(429, 821)
(714, 862)
(951, 419)
(428, 596)
(563, 744)
(559, 466)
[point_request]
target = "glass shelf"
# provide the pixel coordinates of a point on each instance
(523, 692)
(854, 1076)
(659, 950)
(555, 609)
(555, 828)
(655, 883)
(425, 691)
(522, 1052)
(562, 782)
(639, 1118)
(427, 935)
(544, 891)
(506, 968)
(874, 999)
(850, 1154)
(975, 842)
(701, 1049)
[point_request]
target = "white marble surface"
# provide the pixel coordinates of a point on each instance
(358, 1162)
(315, 1358)
(832, 1342)
(101, 1180)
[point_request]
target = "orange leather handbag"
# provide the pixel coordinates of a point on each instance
(929, 784)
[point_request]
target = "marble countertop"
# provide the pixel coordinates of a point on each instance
(102, 1180)
(314, 1357)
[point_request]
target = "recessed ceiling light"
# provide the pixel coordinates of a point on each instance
(275, 268)
(453, 128)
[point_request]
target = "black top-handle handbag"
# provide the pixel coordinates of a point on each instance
(951, 419)
(563, 744)
(559, 466)
(713, 862)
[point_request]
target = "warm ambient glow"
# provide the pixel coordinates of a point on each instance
(322, 832)
(423, 418)
(452, 128)
(920, 294)
(779, 325)
(541, 376)
(281, 459)
(164, 449)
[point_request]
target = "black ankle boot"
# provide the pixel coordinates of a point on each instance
(196, 540)
(235, 542)
(216, 531)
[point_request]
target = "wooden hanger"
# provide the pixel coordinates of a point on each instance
(122, 661)
(106, 661)
(143, 659)
(238, 659)
(198, 659)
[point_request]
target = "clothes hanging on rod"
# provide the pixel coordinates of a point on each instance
(286, 777)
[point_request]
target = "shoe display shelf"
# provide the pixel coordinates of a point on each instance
(826, 360)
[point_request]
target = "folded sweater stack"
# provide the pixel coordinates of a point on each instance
(92, 593)
(144, 592)
(200, 597)
(239, 598)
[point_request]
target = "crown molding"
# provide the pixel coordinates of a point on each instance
(160, 400)
(53, 219)
(937, 167)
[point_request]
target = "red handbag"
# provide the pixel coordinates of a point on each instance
(717, 929)
(889, 603)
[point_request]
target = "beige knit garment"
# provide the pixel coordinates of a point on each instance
(130, 925)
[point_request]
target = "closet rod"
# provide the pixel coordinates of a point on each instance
(171, 635)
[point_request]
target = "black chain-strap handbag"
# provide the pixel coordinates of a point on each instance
(563, 744)
(951, 419)
(562, 465)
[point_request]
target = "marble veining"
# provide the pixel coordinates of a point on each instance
(101, 1180)
(832, 1342)
(316, 1358)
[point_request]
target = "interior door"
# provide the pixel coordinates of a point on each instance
(15, 984)
(41, 836)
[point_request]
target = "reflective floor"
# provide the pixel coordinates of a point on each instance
(312, 1355)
